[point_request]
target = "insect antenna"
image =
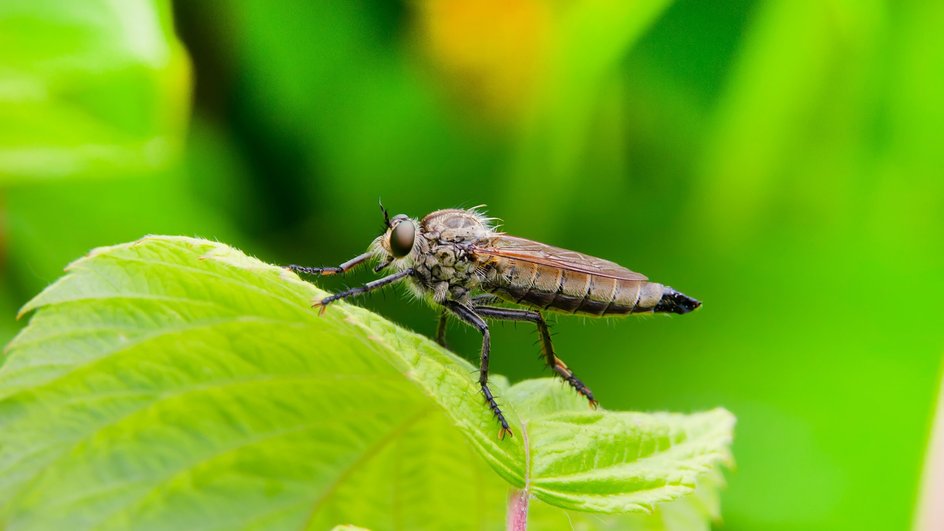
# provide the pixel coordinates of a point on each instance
(385, 213)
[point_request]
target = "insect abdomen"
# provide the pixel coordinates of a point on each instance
(563, 290)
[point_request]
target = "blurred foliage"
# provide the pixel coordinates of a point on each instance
(779, 160)
(93, 88)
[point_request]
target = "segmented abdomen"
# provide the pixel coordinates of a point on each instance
(559, 289)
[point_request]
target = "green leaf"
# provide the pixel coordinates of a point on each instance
(694, 512)
(605, 461)
(176, 381)
(89, 88)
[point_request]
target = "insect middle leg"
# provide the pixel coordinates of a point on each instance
(441, 329)
(443, 317)
(553, 361)
(469, 316)
(370, 286)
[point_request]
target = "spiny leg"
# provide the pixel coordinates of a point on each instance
(323, 271)
(370, 286)
(553, 361)
(441, 329)
(443, 316)
(485, 298)
(470, 317)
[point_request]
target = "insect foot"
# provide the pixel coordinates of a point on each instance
(322, 304)
(582, 390)
(492, 405)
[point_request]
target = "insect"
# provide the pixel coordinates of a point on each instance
(460, 263)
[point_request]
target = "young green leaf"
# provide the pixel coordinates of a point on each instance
(176, 381)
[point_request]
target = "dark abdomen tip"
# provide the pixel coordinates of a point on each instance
(675, 302)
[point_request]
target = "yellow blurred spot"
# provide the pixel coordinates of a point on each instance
(490, 53)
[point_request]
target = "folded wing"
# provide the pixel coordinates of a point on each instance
(515, 248)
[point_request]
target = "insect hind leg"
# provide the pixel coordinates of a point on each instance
(552, 360)
(471, 317)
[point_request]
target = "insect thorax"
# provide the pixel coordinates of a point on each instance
(444, 266)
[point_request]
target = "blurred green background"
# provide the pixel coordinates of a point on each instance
(781, 161)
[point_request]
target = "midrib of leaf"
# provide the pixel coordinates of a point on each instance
(527, 456)
(527, 466)
(622, 469)
(187, 465)
(360, 460)
(365, 456)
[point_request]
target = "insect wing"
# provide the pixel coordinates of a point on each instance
(515, 248)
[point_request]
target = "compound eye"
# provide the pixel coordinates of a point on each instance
(401, 239)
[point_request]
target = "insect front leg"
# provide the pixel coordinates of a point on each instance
(470, 317)
(324, 271)
(553, 361)
(370, 286)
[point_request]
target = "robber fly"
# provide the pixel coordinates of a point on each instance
(458, 261)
